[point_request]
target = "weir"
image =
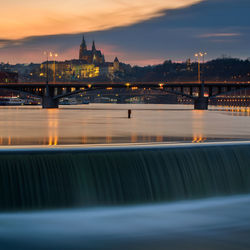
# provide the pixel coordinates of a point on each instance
(60, 178)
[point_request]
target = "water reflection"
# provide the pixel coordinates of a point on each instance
(52, 127)
(199, 139)
(57, 141)
(106, 124)
(198, 126)
(235, 111)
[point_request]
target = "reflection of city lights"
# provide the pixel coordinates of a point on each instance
(84, 139)
(9, 140)
(199, 139)
(108, 139)
(53, 127)
(53, 140)
(159, 138)
(133, 138)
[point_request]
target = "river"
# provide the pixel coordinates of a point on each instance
(108, 123)
(87, 177)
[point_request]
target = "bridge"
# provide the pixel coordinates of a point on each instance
(51, 93)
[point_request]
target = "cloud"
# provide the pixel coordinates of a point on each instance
(214, 35)
(35, 18)
(216, 26)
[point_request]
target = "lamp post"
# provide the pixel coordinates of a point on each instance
(47, 66)
(201, 55)
(54, 55)
(48, 100)
(199, 67)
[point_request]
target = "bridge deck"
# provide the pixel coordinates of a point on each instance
(123, 84)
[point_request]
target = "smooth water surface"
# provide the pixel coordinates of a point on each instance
(221, 224)
(108, 123)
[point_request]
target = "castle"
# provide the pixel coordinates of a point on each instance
(91, 64)
(93, 56)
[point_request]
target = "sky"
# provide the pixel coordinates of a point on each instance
(138, 32)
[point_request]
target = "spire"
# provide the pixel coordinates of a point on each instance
(83, 44)
(83, 48)
(116, 65)
(93, 46)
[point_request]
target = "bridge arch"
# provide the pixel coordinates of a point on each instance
(52, 93)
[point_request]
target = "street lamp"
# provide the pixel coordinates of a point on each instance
(54, 55)
(202, 88)
(199, 69)
(199, 56)
(203, 54)
(47, 66)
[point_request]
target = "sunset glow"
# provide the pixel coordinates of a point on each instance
(34, 18)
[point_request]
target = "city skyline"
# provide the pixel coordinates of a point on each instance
(167, 31)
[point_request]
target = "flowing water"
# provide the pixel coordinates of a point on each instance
(126, 196)
(113, 176)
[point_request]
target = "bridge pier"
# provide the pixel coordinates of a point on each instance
(201, 103)
(48, 102)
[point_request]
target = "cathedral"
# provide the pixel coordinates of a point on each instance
(91, 64)
(91, 56)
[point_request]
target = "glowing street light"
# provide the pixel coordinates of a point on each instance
(47, 66)
(54, 55)
(199, 56)
(203, 54)
(199, 67)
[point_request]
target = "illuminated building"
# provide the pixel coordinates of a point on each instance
(85, 71)
(93, 56)
(71, 70)
(91, 64)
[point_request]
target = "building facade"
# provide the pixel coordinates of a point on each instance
(92, 56)
(91, 64)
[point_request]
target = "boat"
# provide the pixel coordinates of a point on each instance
(4, 101)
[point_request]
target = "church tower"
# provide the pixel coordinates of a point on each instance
(116, 65)
(93, 47)
(93, 56)
(83, 49)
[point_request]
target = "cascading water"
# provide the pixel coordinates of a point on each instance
(58, 178)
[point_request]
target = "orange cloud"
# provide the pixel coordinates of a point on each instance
(25, 18)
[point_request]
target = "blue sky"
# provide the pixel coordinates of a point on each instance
(219, 27)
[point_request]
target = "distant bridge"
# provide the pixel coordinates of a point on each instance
(51, 93)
